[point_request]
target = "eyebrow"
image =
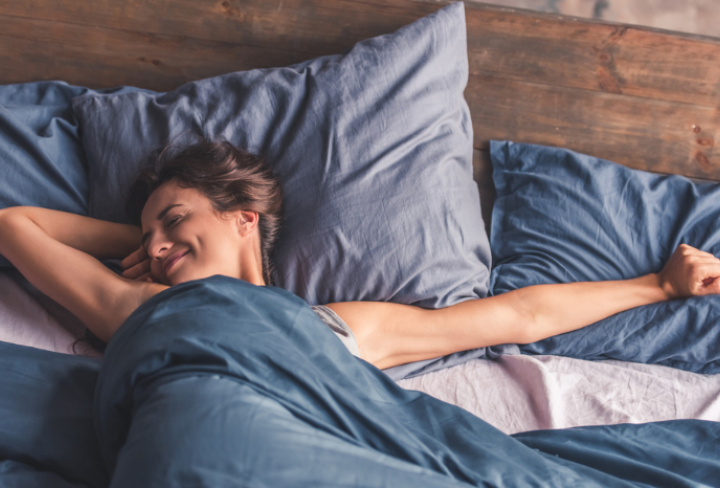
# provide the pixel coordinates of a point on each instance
(159, 217)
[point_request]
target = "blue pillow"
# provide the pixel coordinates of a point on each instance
(373, 147)
(561, 217)
(41, 154)
(43, 163)
(42, 158)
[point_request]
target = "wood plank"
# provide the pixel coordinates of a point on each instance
(534, 77)
(97, 57)
(642, 133)
(517, 44)
(317, 27)
(599, 56)
(161, 45)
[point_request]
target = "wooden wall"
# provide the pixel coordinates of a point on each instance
(645, 98)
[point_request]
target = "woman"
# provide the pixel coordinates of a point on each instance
(213, 209)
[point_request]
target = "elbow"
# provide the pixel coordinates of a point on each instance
(5, 214)
(11, 216)
(528, 333)
(397, 336)
(11, 211)
(375, 349)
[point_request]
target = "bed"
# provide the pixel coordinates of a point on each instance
(560, 87)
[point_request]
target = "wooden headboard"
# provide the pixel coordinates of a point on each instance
(642, 97)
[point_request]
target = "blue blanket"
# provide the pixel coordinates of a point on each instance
(217, 382)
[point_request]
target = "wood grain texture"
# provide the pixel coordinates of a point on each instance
(642, 133)
(591, 55)
(642, 97)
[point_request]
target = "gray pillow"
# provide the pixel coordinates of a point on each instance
(373, 147)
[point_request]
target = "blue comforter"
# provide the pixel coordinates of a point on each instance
(217, 382)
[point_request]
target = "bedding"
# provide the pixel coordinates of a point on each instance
(217, 380)
(24, 321)
(373, 148)
(47, 437)
(374, 151)
(512, 393)
(301, 403)
(318, 123)
(43, 162)
(532, 392)
(561, 216)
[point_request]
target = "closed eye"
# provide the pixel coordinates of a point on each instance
(173, 221)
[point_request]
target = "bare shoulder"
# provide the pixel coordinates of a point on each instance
(376, 323)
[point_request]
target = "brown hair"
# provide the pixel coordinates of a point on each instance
(231, 178)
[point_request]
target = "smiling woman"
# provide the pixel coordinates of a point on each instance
(205, 201)
(212, 209)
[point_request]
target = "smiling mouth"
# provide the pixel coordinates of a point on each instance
(172, 263)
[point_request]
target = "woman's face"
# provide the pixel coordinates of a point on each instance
(186, 239)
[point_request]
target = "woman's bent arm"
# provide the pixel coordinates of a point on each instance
(40, 243)
(392, 334)
(98, 238)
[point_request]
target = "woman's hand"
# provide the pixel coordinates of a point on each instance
(137, 266)
(690, 272)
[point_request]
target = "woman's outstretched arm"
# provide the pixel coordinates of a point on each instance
(392, 334)
(59, 252)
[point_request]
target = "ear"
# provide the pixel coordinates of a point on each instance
(247, 221)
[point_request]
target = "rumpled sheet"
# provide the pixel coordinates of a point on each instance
(24, 321)
(217, 382)
(522, 393)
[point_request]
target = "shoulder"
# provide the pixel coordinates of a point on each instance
(380, 327)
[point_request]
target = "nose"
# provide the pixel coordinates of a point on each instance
(158, 246)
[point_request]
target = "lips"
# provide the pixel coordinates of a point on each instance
(172, 260)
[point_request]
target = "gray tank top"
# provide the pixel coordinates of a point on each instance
(339, 327)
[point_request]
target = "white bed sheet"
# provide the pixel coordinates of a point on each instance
(26, 321)
(513, 393)
(521, 393)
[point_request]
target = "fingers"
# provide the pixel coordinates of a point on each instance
(137, 256)
(147, 277)
(710, 286)
(705, 279)
(690, 271)
(136, 265)
(138, 270)
(688, 250)
(702, 261)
